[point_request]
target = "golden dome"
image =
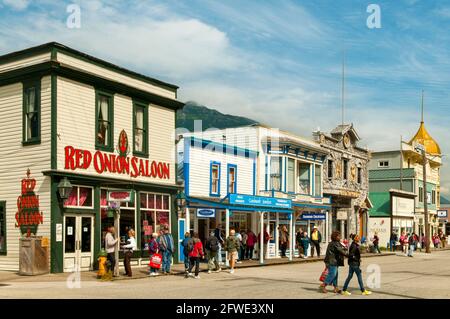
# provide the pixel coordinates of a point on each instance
(422, 137)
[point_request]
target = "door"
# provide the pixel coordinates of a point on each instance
(78, 243)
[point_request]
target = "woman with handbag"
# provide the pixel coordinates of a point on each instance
(334, 258)
(195, 255)
(153, 249)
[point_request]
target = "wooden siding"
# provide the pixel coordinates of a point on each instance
(5, 67)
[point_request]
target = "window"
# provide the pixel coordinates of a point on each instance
(383, 164)
(80, 197)
(232, 171)
(303, 177)
(140, 125)
(2, 228)
(104, 130)
(318, 181)
(214, 188)
(433, 197)
(155, 212)
(291, 175)
(359, 175)
(345, 169)
(275, 173)
(330, 169)
(31, 113)
(420, 194)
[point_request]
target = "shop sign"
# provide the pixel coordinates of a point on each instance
(28, 216)
(206, 213)
(260, 201)
(442, 214)
(271, 251)
(120, 163)
(120, 196)
(313, 216)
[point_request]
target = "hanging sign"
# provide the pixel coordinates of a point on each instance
(121, 196)
(260, 201)
(206, 213)
(442, 214)
(312, 216)
(28, 216)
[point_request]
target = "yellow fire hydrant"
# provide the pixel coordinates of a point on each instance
(102, 271)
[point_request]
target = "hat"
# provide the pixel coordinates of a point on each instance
(315, 227)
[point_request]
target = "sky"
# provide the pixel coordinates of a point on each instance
(277, 62)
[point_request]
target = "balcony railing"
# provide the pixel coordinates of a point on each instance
(297, 197)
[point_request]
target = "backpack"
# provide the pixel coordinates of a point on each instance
(190, 245)
(213, 244)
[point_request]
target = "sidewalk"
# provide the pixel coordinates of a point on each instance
(176, 269)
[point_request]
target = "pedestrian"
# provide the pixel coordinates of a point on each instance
(443, 239)
(376, 243)
(232, 247)
(251, 241)
(404, 242)
(305, 240)
(195, 255)
(354, 263)
(393, 241)
(412, 241)
(218, 234)
(298, 239)
(243, 244)
(239, 238)
(266, 238)
(153, 248)
(128, 252)
(167, 248)
(284, 240)
(184, 243)
(212, 248)
(436, 240)
(316, 239)
(110, 247)
(334, 258)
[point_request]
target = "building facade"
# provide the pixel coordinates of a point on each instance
(346, 180)
(403, 170)
(108, 131)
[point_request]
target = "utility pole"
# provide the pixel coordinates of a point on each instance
(401, 163)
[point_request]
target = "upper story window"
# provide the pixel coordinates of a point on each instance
(330, 169)
(232, 171)
(214, 189)
(383, 164)
(291, 175)
(420, 194)
(275, 173)
(303, 178)
(31, 113)
(345, 169)
(104, 130)
(140, 125)
(433, 197)
(318, 181)
(2, 227)
(359, 177)
(80, 197)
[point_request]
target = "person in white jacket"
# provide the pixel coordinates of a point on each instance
(110, 247)
(128, 251)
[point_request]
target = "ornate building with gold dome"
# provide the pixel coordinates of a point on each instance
(396, 185)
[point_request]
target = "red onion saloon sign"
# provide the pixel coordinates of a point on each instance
(118, 164)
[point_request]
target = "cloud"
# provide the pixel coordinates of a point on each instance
(16, 4)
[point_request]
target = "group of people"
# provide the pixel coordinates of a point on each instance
(409, 242)
(304, 242)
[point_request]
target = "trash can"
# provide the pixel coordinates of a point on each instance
(34, 256)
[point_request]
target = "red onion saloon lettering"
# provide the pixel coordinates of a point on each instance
(112, 163)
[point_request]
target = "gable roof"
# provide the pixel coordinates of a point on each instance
(340, 130)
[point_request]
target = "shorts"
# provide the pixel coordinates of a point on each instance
(233, 255)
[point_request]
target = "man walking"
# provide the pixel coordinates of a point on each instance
(316, 239)
(167, 247)
(393, 241)
(110, 247)
(186, 250)
(212, 248)
(231, 247)
(284, 240)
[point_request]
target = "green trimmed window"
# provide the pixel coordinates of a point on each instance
(2, 228)
(104, 118)
(140, 129)
(31, 121)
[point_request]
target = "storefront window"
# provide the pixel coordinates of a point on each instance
(275, 173)
(80, 197)
(126, 222)
(303, 177)
(155, 212)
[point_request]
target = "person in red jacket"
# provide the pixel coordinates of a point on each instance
(194, 256)
(251, 241)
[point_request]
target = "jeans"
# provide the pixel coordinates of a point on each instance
(305, 251)
(376, 249)
(332, 277)
(166, 261)
(411, 250)
(315, 244)
(212, 260)
(194, 261)
(219, 254)
(357, 271)
(112, 259)
(126, 263)
(186, 262)
(283, 248)
(392, 245)
(249, 252)
(242, 252)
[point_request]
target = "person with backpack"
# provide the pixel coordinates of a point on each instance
(354, 263)
(212, 248)
(251, 241)
(243, 244)
(195, 255)
(232, 247)
(167, 248)
(153, 248)
(184, 244)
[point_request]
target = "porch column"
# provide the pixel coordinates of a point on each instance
(276, 233)
(188, 220)
(261, 238)
(327, 220)
(291, 232)
(227, 233)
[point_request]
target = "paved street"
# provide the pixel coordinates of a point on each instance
(424, 276)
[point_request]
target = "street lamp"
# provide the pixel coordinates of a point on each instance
(421, 148)
(181, 199)
(64, 188)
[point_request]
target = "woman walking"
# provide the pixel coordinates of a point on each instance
(354, 263)
(153, 248)
(195, 255)
(334, 258)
